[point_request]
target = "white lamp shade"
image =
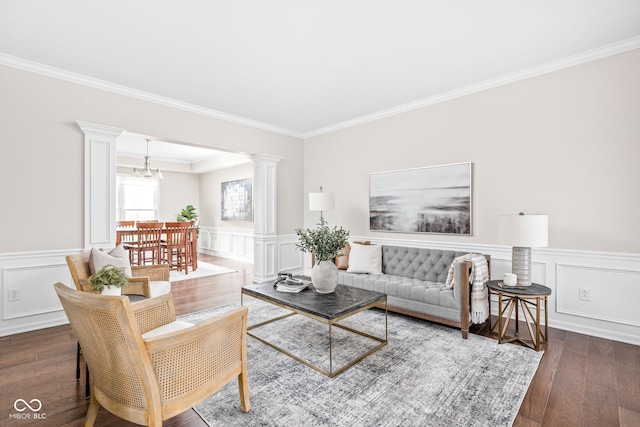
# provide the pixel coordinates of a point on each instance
(321, 201)
(529, 231)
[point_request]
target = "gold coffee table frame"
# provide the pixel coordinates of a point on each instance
(331, 373)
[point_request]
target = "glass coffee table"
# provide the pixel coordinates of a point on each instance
(329, 309)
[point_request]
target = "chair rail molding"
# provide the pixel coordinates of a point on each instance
(99, 183)
(609, 277)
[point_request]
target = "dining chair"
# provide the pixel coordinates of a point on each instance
(146, 248)
(146, 366)
(129, 227)
(192, 256)
(175, 247)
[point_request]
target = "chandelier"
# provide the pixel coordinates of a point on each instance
(147, 172)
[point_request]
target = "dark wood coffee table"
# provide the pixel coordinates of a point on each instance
(331, 308)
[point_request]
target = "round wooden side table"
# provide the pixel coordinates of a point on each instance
(520, 298)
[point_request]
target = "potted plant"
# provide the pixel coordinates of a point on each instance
(325, 244)
(189, 214)
(109, 280)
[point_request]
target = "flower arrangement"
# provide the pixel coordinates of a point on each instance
(109, 275)
(324, 242)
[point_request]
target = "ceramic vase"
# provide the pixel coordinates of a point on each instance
(112, 290)
(324, 276)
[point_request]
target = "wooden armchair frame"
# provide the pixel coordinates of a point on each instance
(139, 284)
(146, 381)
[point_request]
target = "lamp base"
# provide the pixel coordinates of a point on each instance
(521, 265)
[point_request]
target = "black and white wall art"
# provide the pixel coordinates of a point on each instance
(434, 199)
(237, 200)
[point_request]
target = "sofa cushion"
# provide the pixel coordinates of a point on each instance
(116, 257)
(418, 263)
(365, 259)
(425, 292)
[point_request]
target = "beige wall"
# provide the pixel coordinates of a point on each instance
(566, 144)
(210, 195)
(177, 190)
(39, 134)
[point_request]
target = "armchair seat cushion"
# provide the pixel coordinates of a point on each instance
(159, 287)
(176, 325)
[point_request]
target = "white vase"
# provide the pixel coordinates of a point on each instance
(324, 276)
(112, 290)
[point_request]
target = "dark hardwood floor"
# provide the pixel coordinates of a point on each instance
(581, 381)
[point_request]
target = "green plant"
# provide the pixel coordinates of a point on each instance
(187, 214)
(109, 275)
(325, 243)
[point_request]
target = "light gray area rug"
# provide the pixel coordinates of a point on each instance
(204, 269)
(426, 376)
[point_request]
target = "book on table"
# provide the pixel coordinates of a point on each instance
(292, 285)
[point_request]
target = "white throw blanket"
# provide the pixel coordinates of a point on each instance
(477, 279)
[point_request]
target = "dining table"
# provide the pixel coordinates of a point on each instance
(122, 232)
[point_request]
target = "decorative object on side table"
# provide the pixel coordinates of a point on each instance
(109, 280)
(523, 232)
(325, 243)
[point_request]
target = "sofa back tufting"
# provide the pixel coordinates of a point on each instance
(431, 265)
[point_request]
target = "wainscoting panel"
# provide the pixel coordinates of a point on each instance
(290, 258)
(233, 243)
(613, 294)
(612, 279)
(29, 301)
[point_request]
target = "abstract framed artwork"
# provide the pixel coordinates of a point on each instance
(237, 200)
(434, 199)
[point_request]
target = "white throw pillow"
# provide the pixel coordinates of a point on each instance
(365, 259)
(117, 257)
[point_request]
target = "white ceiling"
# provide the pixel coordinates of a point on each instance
(134, 145)
(302, 67)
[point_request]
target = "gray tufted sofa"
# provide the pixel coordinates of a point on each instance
(414, 281)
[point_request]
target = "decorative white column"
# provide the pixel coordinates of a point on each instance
(265, 174)
(99, 184)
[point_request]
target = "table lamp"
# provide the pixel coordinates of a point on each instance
(321, 201)
(523, 232)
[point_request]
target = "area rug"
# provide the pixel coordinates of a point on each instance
(426, 376)
(204, 269)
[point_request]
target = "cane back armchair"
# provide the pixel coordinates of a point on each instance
(146, 280)
(147, 367)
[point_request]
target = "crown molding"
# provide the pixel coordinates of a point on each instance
(549, 67)
(570, 61)
(57, 73)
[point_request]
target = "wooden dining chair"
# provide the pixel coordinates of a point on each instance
(127, 233)
(146, 366)
(175, 247)
(192, 256)
(146, 249)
